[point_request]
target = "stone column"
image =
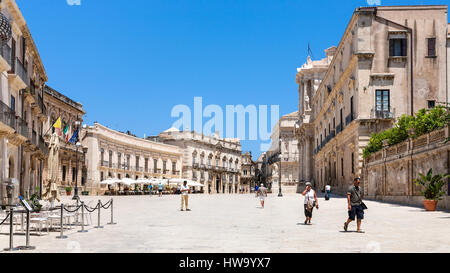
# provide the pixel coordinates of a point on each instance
(308, 159)
(70, 174)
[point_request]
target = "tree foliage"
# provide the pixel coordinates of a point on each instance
(423, 122)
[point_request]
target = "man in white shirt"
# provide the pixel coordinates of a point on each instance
(328, 192)
(184, 196)
(262, 193)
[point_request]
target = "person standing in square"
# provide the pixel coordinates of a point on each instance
(185, 196)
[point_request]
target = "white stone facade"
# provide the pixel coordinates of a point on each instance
(117, 155)
(390, 61)
(210, 160)
(22, 77)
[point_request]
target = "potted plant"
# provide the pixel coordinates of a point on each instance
(68, 191)
(432, 188)
(34, 201)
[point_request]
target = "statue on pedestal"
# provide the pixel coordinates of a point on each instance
(52, 174)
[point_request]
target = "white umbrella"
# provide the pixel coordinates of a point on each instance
(155, 181)
(110, 181)
(177, 181)
(127, 181)
(194, 184)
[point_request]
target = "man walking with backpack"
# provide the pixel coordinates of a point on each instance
(356, 206)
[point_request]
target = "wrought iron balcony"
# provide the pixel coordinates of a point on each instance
(5, 51)
(383, 114)
(8, 116)
(19, 69)
(22, 127)
(42, 145)
(104, 163)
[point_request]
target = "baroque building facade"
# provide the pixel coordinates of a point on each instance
(248, 173)
(22, 78)
(71, 165)
(390, 61)
(284, 143)
(112, 154)
(308, 78)
(210, 160)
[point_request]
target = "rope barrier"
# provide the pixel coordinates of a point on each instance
(90, 209)
(72, 211)
(107, 205)
(7, 216)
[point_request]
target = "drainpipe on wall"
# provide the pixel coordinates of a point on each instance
(21, 185)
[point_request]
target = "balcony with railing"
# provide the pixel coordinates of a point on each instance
(5, 52)
(382, 114)
(7, 118)
(18, 74)
(104, 163)
(42, 145)
(22, 127)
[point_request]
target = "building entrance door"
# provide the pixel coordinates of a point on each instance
(217, 184)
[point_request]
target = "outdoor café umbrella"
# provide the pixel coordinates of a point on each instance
(127, 181)
(194, 184)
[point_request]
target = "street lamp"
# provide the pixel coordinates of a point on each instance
(279, 177)
(281, 158)
(75, 196)
(77, 145)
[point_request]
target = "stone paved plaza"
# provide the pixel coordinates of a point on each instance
(236, 223)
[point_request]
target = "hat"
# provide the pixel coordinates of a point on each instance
(308, 184)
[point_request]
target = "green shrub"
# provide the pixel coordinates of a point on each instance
(423, 122)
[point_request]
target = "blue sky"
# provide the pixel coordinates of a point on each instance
(130, 62)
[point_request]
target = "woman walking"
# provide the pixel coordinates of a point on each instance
(310, 202)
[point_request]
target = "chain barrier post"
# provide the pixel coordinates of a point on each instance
(77, 222)
(112, 213)
(27, 244)
(62, 236)
(99, 206)
(82, 218)
(11, 231)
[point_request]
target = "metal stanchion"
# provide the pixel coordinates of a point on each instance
(62, 236)
(11, 231)
(27, 244)
(82, 218)
(99, 206)
(112, 213)
(77, 222)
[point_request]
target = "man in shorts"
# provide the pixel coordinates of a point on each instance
(160, 189)
(355, 209)
(262, 193)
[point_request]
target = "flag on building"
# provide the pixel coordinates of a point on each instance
(57, 126)
(74, 137)
(66, 133)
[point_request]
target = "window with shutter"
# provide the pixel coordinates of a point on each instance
(431, 47)
(398, 47)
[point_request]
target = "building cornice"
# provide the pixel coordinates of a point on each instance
(335, 58)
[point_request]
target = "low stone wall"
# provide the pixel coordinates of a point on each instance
(388, 175)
